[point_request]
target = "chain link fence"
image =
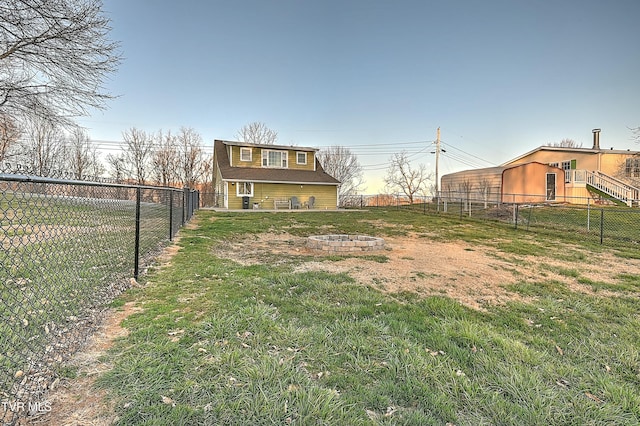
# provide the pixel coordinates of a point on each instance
(68, 249)
(604, 220)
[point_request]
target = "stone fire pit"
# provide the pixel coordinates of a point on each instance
(345, 243)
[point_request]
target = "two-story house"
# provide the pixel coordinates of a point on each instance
(252, 176)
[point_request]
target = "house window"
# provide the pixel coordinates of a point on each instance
(554, 164)
(566, 166)
(301, 158)
(245, 154)
(274, 159)
(244, 189)
(632, 167)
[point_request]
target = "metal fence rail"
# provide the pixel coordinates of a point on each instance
(68, 248)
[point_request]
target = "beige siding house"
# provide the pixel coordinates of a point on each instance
(250, 176)
(574, 175)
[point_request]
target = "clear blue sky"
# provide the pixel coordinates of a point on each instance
(499, 77)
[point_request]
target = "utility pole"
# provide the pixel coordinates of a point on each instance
(437, 152)
(437, 161)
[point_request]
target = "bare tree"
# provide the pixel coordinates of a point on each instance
(117, 167)
(9, 135)
(484, 189)
(82, 158)
(164, 161)
(404, 178)
(258, 133)
(137, 154)
(191, 156)
(206, 181)
(42, 148)
(466, 187)
(96, 166)
(343, 165)
(636, 133)
(566, 143)
(54, 57)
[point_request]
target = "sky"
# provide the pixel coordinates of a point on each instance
(499, 77)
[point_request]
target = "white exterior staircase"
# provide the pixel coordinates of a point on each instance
(613, 187)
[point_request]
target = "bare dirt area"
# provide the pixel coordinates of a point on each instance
(76, 402)
(476, 276)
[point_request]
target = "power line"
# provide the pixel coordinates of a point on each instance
(471, 155)
(382, 166)
(462, 160)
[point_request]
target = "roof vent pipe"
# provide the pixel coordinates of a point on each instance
(596, 138)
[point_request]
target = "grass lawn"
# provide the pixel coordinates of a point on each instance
(222, 341)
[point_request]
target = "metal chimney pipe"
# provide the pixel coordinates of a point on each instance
(596, 138)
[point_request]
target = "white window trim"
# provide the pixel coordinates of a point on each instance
(242, 184)
(242, 149)
(284, 159)
(305, 158)
(566, 166)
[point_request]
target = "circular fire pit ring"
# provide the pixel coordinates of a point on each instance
(343, 243)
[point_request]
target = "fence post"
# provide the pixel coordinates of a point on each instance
(170, 215)
(192, 198)
(515, 212)
(184, 204)
(189, 204)
(601, 225)
(588, 214)
(136, 263)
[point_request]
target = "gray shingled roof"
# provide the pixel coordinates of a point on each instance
(251, 174)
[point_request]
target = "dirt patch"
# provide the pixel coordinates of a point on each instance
(427, 268)
(76, 401)
(476, 276)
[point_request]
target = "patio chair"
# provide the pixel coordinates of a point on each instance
(295, 203)
(311, 202)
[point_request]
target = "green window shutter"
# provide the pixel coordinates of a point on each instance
(573, 164)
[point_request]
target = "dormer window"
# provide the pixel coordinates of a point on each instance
(277, 159)
(301, 158)
(245, 154)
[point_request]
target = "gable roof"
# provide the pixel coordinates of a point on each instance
(258, 174)
(566, 149)
(281, 147)
(494, 170)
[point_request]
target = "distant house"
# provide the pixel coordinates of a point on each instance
(271, 177)
(553, 174)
